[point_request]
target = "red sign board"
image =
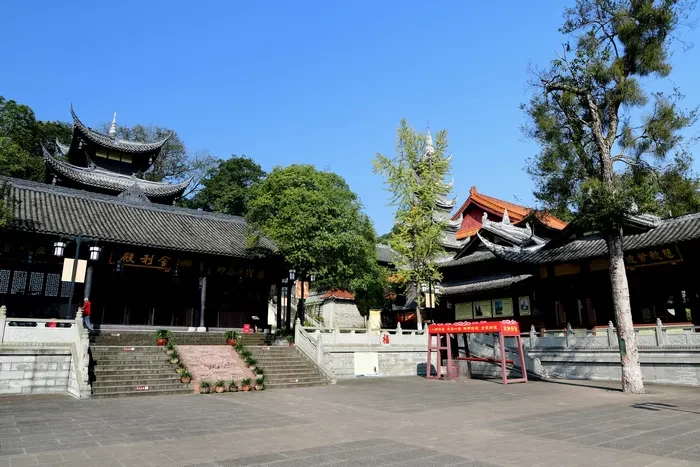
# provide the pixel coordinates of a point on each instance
(507, 327)
(246, 328)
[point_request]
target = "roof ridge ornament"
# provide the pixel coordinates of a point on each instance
(113, 129)
(134, 194)
(429, 148)
(506, 217)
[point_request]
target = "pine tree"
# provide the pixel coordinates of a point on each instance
(590, 112)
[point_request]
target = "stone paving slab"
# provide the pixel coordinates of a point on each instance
(403, 422)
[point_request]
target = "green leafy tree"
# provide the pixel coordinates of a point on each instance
(227, 187)
(20, 149)
(318, 224)
(416, 179)
(590, 111)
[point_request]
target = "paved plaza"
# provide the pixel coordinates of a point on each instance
(370, 422)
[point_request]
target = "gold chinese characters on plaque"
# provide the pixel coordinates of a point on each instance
(664, 254)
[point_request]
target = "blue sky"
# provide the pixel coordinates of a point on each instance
(317, 82)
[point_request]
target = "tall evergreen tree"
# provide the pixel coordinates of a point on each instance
(590, 112)
(415, 176)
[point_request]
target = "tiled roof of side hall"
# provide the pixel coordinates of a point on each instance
(667, 231)
(480, 285)
(52, 210)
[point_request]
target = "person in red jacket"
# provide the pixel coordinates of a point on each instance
(86, 314)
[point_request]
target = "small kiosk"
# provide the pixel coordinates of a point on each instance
(439, 333)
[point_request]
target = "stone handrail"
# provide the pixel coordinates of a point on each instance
(656, 335)
(370, 337)
(313, 349)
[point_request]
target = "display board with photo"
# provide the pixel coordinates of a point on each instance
(503, 307)
(524, 306)
(464, 311)
(482, 309)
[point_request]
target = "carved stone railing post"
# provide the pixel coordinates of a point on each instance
(297, 330)
(533, 335)
(569, 333)
(660, 334)
(369, 333)
(612, 340)
(319, 349)
(399, 334)
(3, 318)
(336, 334)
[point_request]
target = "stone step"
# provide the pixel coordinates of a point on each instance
(139, 361)
(293, 377)
(121, 386)
(102, 372)
(280, 361)
(134, 367)
(295, 385)
(286, 371)
(158, 357)
(136, 380)
(159, 392)
(272, 368)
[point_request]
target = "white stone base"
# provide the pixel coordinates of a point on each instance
(191, 329)
(201, 329)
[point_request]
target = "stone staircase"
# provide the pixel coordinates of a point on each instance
(286, 367)
(119, 371)
(145, 338)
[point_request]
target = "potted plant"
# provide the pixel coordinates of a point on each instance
(174, 357)
(232, 386)
(245, 385)
(186, 377)
(290, 339)
(260, 382)
(204, 387)
(231, 337)
(259, 371)
(245, 353)
(169, 348)
(251, 362)
(162, 337)
(239, 346)
(180, 369)
(220, 386)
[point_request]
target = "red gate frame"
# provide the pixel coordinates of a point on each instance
(505, 328)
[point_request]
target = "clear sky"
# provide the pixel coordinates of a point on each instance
(318, 82)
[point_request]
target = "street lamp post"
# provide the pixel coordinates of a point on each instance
(292, 276)
(59, 249)
(301, 304)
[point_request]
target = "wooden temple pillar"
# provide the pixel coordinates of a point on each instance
(203, 302)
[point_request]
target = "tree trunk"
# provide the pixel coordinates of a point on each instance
(632, 381)
(419, 319)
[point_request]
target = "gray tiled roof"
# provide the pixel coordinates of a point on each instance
(667, 231)
(385, 254)
(53, 210)
(116, 144)
(476, 257)
(480, 285)
(112, 181)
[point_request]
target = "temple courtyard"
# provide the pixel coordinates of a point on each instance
(372, 422)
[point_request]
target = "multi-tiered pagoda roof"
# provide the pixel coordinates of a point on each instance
(103, 163)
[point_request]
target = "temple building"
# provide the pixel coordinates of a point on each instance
(141, 260)
(508, 271)
(105, 164)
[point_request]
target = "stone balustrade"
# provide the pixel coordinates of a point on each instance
(43, 355)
